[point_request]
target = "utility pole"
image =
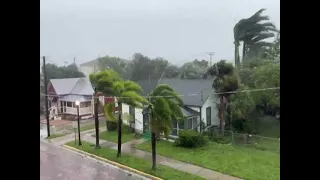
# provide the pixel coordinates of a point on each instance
(46, 94)
(210, 54)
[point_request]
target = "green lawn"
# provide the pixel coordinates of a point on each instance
(54, 136)
(90, 126)
(163, 172)
(113, 136)
(238, 161)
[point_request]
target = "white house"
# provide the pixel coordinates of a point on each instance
(89, 67)
(63, 94)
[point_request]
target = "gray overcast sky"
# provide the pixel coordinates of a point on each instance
(178, 30)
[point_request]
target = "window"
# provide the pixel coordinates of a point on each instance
(189, 123)
(69, 104)
(208, 116)
(88, 104)
(85, 104)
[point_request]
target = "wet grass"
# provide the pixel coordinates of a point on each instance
(113, 136)
(90, 126)
(163, 172)
(52, 136)
(239, 161)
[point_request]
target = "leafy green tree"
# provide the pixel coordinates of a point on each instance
(143, 67)
(115, 63)
(273, 53)
(252, 32)
(194, 69)
(127, 92)
(241, 105)
(225, 80)
(165, 108)
(172, 71)
(267, 76)
(57, 72)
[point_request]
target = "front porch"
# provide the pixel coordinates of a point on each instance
(67, 105)
(85, 108)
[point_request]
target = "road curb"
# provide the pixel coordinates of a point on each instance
(114, 163)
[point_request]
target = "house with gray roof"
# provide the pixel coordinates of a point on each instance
(63, 94)
(199, 101)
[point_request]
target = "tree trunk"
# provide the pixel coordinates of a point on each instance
(243, 52)
(119, 129)
(221, 115)
(236, 54)
(96, 121)
(153, 146)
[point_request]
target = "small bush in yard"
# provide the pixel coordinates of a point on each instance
(220, 139)
(191, 139)
(113, 126)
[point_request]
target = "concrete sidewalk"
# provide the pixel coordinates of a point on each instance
(179, 165)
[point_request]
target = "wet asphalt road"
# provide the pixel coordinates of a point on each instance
(60, 164)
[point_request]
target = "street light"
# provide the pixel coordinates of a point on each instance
(78, 105)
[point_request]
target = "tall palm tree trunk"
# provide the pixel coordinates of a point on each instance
(221, 115)
(153, 147)
(236, 54)
(119, 129)
(96, 120)
(243, 52)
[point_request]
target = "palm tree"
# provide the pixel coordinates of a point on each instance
(225, 80)
(165, 107)
(102, 83)
(127, 92)
(252, 32)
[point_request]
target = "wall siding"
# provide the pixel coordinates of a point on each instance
(210, 102)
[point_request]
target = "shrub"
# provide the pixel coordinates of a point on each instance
(126, 128)
(191, 139)
(220, 139)
(113, 126)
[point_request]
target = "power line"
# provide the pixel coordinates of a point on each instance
(182, 95)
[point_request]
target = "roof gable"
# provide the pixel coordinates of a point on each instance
(80, 86)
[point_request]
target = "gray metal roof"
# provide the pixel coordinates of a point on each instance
(148, 85)
(186, 111)
(78, 86)
(190, 89)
